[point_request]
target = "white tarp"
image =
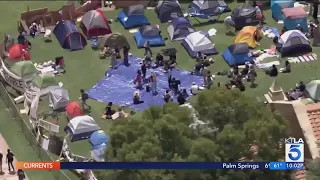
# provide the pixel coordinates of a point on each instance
(198, 41)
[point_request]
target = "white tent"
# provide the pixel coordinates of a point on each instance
(59, 98)
(198, 41)
(291, 34)
(81, 127)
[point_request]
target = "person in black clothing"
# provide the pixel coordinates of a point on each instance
(1, 156)
(84, 97)
(273, 72)
(109, 112)
(172, 82)
(126, 55)
(197, 69)
(159, 60)
(10, 160)
(144, 69)
(137, 98)
(116, 49)
(184, 93)
(301, 86)
(181, 100)
(175, 85)
(21, 174)
(315, 11)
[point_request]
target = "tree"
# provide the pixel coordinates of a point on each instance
(313, 170)
(163, 134)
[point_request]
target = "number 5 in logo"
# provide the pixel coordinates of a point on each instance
(294, 150)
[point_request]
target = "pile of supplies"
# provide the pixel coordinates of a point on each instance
(51, 67)
(270, 32)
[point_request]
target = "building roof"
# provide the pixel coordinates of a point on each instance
(313, 111)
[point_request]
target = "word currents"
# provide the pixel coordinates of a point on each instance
(38, 165)
(144, 165)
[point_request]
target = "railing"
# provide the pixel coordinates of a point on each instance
(30, 137)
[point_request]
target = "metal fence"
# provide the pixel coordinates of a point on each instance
(29, 135)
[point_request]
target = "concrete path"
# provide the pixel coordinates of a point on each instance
(3, 149)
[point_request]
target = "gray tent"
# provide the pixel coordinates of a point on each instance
(59, 98)
(244, 16)
(134, 10)
(168, 10)
(149, 30)
(209, 7)
(316, 36)
(313, 88)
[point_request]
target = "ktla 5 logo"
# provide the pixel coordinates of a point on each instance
(294, 150)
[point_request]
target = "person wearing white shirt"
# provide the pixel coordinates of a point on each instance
(229, 24)
(195, 89)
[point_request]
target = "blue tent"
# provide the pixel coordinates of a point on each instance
(133, 16)
(149, 33)
(293, 17)
(68, 35)
(278, 5)
(237, 54)
(98, 138)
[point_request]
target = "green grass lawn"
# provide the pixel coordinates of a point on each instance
(84, 68)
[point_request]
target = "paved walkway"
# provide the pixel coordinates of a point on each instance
(3, 149)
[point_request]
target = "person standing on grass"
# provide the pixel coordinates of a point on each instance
(1, 156)
(10, 160)
(147, 49)
(126, 55)
(84, 97)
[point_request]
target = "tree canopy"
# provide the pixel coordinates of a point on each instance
(313, 170)
(228, 126)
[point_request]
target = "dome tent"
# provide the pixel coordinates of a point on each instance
(133, 16)
(293, 42)
(111, 39)
(98, 138)
(73, 110)
(199, 42)
(149, 33)
(237, 54)
(81, 127)
(249, 35)
(68, 35)
(313, 89)
(94, 23)
(244, 15)
(168, 10)
(44, 80)
(209, 7)
(59, 98)
(24, 69)
(18, 52)
(179, 28)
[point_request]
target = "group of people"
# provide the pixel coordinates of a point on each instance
(114, 53)
(202, 69)
(248, 73)
(9, 160)
(297, 92)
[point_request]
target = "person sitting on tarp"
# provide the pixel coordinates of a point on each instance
(184, 93)
(153, 82)
(109, 112)
(159, 60)
(181, 100)
(148, 61)
(167, 96)
(273, 71)
(137, 98)
(138, 80)
(34, 30)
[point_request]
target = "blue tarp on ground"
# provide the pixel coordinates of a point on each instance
(118, 87)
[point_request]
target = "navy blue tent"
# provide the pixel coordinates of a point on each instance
(237, 54)
(68, 35)
(168, 10)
